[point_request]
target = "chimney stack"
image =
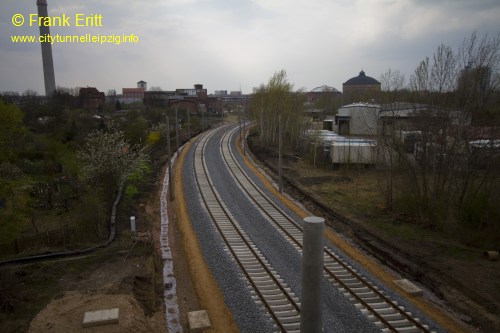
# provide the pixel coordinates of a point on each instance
(48, 63)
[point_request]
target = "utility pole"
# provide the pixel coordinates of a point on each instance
(189, 126)
(280, 154)
(176, 132)
(202, 121)
(169, 152)
(244, 126)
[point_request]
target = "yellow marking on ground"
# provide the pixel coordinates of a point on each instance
(206, 288)
(431, 310)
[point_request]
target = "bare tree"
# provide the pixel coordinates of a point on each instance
(275, 99)
(456, 88)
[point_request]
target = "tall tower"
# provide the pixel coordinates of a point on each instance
(48, 63)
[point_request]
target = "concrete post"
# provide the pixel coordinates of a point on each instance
(132, 227)
(312, 275)
(47, 61)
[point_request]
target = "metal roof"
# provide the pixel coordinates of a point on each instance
(361, 79)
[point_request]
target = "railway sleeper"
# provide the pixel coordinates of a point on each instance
(253, 266)
(262, 278)
(376, 305)
(394, 317)
(348, 279)
(383, 311)
(283, 309)
(362, 291)
(290, 317)
(277, 302)
(268, 286)
(399, 323)
(368, 295)
(255, 270)
(342, 274)
(272, 296)
(292, 327)
(334, 267)
(353, 283)
(248, 258)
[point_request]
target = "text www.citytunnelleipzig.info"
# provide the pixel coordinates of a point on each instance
(84, 38)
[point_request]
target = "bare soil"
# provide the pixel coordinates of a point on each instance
(459, 275)
(129, 278)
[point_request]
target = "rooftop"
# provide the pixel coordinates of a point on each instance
(361, 79)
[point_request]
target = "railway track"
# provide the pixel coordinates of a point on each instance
(268, 289)
(372, 302)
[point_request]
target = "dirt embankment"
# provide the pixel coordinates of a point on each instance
(128, 286)
(127, 276)
(468, 285)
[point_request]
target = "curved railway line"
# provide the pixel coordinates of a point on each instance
(270, 290)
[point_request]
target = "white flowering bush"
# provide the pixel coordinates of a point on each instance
(107, 157)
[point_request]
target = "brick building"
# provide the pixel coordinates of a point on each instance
(91, 99)
(193, 99)
(361, 88)
(134, 95)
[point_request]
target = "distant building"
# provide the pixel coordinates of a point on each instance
(361, 88)
(157, 98)
(233, 101)
(91, 99)
(142, 84)
(193, 99)
(358, 119)
(323, 97)
(198, 91)
(373, 119)
(134, 95)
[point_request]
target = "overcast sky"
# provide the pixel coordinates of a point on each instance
(228, 44)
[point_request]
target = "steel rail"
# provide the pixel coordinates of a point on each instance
(284, 309)
(391, 318)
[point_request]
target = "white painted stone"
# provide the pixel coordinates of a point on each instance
(408, 287)
(101, 317)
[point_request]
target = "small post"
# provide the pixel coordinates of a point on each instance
(312, 275)
(132, 227)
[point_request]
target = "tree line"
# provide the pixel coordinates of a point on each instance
(56, 158)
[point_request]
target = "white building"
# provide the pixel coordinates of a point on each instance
(358, 119)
